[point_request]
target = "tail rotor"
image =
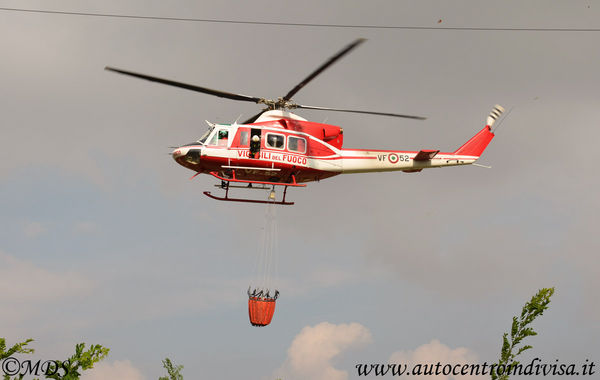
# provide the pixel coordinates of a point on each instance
(494, 115)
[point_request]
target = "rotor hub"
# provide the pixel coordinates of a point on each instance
(278, 104)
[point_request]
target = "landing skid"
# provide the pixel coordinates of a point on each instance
(263, 185)
(226, 198)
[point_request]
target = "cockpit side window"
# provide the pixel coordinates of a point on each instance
(223, 137)
(219, 138)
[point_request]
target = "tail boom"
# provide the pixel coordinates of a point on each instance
(355, 161)
(362, 161)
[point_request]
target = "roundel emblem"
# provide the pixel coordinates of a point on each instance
(393, 157)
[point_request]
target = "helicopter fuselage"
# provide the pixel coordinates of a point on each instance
(275, 148)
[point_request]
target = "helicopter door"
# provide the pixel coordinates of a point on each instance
(255, 143)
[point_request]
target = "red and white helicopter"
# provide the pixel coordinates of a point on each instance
(278, 148)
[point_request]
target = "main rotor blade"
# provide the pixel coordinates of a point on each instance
(324, 66)
(364, 112)
(221, 94)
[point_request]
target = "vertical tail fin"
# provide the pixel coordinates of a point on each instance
(477, 144)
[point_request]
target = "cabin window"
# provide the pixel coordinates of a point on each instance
(223, 137)
(219, 138)
(244, 138)
(296, 144)
(275, 141)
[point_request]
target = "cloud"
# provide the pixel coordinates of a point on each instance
(432, 353)
(30, 283)
(308, 280)
(583, 256)
(34, 229)
(313, 349)
(30, 291)
(129, 292)
(119, 369)
(331, 277)
(495, 253)
(85, 227)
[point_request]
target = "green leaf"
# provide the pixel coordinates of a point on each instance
(80, 361)
(521, 350)
(505, 348)
(520, 329)
(18, 348)
(173, 370)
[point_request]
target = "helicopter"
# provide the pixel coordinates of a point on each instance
(279, 148)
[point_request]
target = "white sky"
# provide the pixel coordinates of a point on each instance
(103, 238)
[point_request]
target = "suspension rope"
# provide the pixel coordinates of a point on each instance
(267, 260)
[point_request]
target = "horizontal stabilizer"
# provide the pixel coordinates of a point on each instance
(425, 154)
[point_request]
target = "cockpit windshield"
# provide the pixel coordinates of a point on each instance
(205, 135)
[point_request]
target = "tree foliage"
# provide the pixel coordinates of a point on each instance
(520, 329)
(69, 369)
(173, 370)
(80, 361)
(17, 348)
